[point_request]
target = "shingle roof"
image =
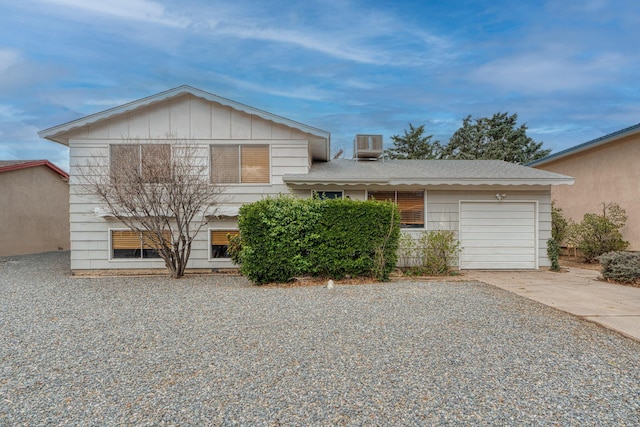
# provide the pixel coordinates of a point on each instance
(426, 172)
(11, 165)
(587, 145)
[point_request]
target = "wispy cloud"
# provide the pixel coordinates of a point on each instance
(548, 72)
(8, 59)
(137, 10)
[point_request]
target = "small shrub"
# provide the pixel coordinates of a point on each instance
(598, 234)
(553, 251)
(559, 224)
(433, 253)
(623, 267)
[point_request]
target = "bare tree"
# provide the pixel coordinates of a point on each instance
(161, 189)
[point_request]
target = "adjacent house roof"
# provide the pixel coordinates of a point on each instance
(425, 172)
(631, 130)
(56, 133)
(12, 165)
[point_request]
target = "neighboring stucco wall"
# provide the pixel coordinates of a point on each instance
(189, 118)
(609, 173)
(34, 211)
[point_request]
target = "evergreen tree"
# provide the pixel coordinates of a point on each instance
(413, 145)
(497, 137)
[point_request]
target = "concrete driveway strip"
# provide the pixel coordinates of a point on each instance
(576, 291)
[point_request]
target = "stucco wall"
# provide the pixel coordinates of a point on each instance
(609, 173)
(34, 211)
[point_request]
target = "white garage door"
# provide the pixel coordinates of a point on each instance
(499, 235)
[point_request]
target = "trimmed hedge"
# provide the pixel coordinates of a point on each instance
(623, 267)
(286, 237)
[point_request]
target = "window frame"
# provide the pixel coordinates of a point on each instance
(240, 164)
(210, 242)
(140, 160)
(407, 227)
(141, 249)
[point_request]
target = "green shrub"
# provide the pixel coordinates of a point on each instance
(433, 253)
(559, 224)
(623, 267)
(285, 237)
(553, 251)
(599, 234)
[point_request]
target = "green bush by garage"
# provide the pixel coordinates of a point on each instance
(286, 237)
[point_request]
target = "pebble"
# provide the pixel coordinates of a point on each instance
(215, 350)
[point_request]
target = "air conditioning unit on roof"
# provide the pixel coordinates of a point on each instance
(368, 146)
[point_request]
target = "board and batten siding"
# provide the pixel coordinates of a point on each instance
(190, 119)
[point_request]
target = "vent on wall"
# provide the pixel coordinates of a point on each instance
(368, 146)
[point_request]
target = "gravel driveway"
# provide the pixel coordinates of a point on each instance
(215, 350)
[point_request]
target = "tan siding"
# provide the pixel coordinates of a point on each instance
(34, 211)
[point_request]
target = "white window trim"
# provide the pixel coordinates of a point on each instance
(241, 184)
(112, 259)
(209, 230)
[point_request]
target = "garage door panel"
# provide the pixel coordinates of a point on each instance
(490, 207)
(488, 229)
(498, 251)
(478, 215)
(497, 235)
(480, 243)
(520, 222)
(494, 236)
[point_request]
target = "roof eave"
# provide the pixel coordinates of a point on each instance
(427, 182)
(56, 133)
(35, 163)
(586, 146)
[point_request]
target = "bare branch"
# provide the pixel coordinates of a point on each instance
(160, 188)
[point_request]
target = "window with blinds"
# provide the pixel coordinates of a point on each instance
(132, 244)
(220, 242)
(148, 163)
(410, 204)
(240, 164)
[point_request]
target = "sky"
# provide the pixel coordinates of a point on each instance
(568, 68)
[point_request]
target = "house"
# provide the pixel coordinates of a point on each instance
(34, 207)
(606, 171)
(502, 210)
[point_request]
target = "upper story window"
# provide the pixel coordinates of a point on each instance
(410, 204)
(141, 162)
(240, 164)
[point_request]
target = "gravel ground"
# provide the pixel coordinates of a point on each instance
(215, 350)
